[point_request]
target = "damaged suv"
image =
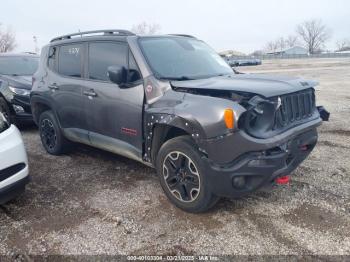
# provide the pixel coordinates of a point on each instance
(171, 102)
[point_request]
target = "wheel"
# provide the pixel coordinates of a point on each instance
(183, 176)
(51, 135)
(5, 110)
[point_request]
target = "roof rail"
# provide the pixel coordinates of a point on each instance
(111, 32)
(30, 53)
(184, 35)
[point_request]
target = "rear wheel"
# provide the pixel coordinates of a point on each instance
(51, 135)
(183, 176)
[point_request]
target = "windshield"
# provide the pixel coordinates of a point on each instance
(17, 65)
(182, 58)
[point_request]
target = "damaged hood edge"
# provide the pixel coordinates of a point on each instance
(260, 84)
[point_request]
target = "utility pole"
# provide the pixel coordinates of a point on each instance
(36, 47)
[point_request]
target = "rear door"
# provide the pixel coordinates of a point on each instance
(66, 84)
(114, 114)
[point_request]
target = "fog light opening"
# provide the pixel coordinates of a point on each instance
(238, 182)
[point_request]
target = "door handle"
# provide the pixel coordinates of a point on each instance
(90, 93)
(53, 86)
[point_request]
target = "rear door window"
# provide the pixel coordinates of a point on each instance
(69, 60)
(105, 54)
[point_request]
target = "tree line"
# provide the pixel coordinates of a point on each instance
(312, 34)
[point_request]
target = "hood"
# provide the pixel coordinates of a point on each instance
(259, 84)
(24, 81)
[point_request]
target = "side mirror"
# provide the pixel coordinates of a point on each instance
(117, 74)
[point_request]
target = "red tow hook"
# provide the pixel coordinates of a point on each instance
(282, 180)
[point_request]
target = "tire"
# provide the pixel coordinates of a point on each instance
(5, 110)
(183, 177)
(51, 135)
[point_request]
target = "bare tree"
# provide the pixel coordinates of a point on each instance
(343, 45)
(277, 45)
(291, 41)
(7, 40)
(281, 43)
(257, 53)
(314, 34)
(145, 28)
(271, 47)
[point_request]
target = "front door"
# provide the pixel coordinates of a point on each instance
(114, 114)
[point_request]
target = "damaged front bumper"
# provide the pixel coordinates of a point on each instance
(21, 108)
(257, 162)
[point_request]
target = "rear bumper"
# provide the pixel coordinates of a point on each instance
(259, 167)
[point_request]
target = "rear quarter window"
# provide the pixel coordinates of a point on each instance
(52, 58)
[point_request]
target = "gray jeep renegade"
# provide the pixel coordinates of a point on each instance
(172, 103)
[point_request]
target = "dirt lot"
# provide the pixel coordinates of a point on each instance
(93, 202)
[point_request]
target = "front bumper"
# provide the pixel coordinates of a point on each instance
(13, 163)
(24, 103)
(20, 108)
(258, 167)
(13, 190)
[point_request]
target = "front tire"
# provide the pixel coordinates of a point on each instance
(183, 176)
(51, 135)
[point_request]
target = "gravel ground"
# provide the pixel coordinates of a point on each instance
(93, 202)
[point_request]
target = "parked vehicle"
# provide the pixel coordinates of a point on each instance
(13, 162)
(16, 72)
(172, 103)
(246, 61)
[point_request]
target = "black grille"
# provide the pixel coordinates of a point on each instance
(10, 171)
(295, 108)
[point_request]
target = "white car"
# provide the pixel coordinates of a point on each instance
(13, 162)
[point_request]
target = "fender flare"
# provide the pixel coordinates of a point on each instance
(192, 127)
(36, 99)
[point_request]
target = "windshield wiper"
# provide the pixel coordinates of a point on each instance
(180, 78)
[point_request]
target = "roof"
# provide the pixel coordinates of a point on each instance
(118, 34)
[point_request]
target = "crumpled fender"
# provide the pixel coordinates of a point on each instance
(200, 116)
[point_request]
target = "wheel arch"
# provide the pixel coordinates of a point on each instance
(160, 128)
(161, 134)
(38, 106)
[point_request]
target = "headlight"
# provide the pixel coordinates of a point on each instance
(20, 91)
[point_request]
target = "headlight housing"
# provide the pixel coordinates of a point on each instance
(19, 91)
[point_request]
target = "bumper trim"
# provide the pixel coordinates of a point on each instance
(13, 190)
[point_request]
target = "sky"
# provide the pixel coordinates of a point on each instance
(244, 25)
